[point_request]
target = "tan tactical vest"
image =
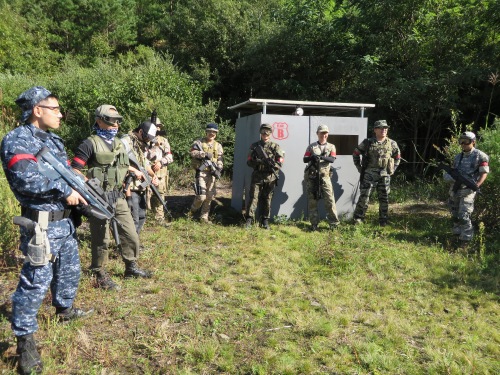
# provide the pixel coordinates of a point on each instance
(196, 163)
(110, 167)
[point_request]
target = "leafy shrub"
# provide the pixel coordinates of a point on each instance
(487, 202)
(9, 233)
(136, 83)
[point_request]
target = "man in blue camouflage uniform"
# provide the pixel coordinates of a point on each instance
(381, 157)
(41, 196)
(265, 175)
(472, 164)
(319, 156)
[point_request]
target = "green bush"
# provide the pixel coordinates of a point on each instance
(136, 83)
(9, 233)
(487, 202)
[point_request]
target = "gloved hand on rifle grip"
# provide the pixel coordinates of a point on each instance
(209, 156)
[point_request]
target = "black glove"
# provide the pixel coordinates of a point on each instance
(209, 156)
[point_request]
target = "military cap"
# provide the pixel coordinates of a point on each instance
(148, 130)
(468, 135)
(31, 97)
(266, 127)
(212, 127)
(381, 124)
(322, 129)
(107, 112)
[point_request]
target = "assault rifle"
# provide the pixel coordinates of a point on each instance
(147, 180)
(459, 178)
(315, 161)
(208, 164)
(269, 162)
(98, 205)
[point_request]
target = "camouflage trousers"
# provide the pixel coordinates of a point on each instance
(62, 276)
(383, 184)
(328, 198)
(162, 187)
(461, 206)
(100, 237)
(207, 188)
(261, 190)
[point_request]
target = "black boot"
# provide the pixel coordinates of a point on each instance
(133, 270)
(265, 224)
(104, 281)
(71, 313)
(29, 361)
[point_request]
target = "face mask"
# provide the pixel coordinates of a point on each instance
(108, 134)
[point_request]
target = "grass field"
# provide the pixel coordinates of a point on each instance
(225, 300)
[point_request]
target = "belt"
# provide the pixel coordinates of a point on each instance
(53, 215)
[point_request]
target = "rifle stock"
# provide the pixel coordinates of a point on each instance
(90, 190)
(459, 178)
(205, 163)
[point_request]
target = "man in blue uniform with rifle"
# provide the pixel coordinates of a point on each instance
(48, 235)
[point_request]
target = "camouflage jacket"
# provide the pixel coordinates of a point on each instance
(30, 186)
(273, 152)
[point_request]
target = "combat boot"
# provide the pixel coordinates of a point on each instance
(71, 313)
(133, 270)
(265, 224)
(29, 360)
(104, 281)
(205, 220)
(249, 223)
(382, 222)
(314, 228)
(358, 221)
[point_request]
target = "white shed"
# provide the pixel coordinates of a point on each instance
(294, 128)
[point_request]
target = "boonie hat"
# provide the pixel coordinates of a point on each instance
(107, 112)
(381, 124)
(212, 127)
(322, 129)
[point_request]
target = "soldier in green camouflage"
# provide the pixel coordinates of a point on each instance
(266, 158)
(381, 157)
(319, 155)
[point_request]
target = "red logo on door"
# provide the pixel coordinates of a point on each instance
(280, 130)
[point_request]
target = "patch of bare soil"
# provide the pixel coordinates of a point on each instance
(180, 199)
(420, 209)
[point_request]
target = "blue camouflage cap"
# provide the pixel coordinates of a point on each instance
(31, 97)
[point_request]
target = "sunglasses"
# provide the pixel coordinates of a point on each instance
(268, 132)
(111, 120)
(465, 143)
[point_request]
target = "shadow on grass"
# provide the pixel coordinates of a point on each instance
(429, 225)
